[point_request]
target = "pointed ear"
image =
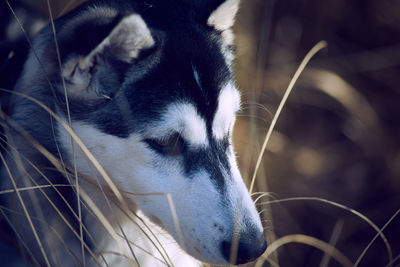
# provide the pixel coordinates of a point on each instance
(122, 45)
(223, 17)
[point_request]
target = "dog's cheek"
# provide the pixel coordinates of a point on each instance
(158, 182)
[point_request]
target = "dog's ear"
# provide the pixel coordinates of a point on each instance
(223, 17)
(114, 40)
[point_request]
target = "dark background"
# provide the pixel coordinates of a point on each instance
(338, 135)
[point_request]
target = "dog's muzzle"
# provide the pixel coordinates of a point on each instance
(250, 246)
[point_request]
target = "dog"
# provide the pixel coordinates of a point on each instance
(125, 107)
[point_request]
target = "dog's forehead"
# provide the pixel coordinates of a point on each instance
(208, 85)
(185, 82)
(192, 70)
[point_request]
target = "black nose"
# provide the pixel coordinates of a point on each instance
(248, 249)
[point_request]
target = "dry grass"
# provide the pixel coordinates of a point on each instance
(321, 163)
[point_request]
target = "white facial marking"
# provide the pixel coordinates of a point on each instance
(228, 105)
(184, 119)
(112, 152)
(134, 167)
(224, 16)
(146, 253)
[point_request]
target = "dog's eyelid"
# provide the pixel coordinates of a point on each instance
(170, 145)
(170, 135)
(173, 137)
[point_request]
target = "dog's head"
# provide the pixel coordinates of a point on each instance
(152, 96)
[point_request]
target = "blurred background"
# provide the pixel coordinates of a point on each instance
(338, 135)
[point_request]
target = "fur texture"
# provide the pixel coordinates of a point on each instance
(148, 91)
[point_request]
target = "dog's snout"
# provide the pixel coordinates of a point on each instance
(248, 249)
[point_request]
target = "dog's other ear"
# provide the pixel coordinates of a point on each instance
(121, 41)
(223, 17)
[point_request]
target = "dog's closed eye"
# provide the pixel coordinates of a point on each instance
(173, 145)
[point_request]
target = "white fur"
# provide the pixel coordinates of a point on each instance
(127, 39)
(224, 16)
(128, 162)
(223, 19)
(240, 194)
(136, 168)
(183, 118)
(228, 105)
(144, 250)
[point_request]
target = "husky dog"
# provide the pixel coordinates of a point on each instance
(126, 106)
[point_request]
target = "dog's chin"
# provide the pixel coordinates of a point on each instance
(205, 257)
(198, 251)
